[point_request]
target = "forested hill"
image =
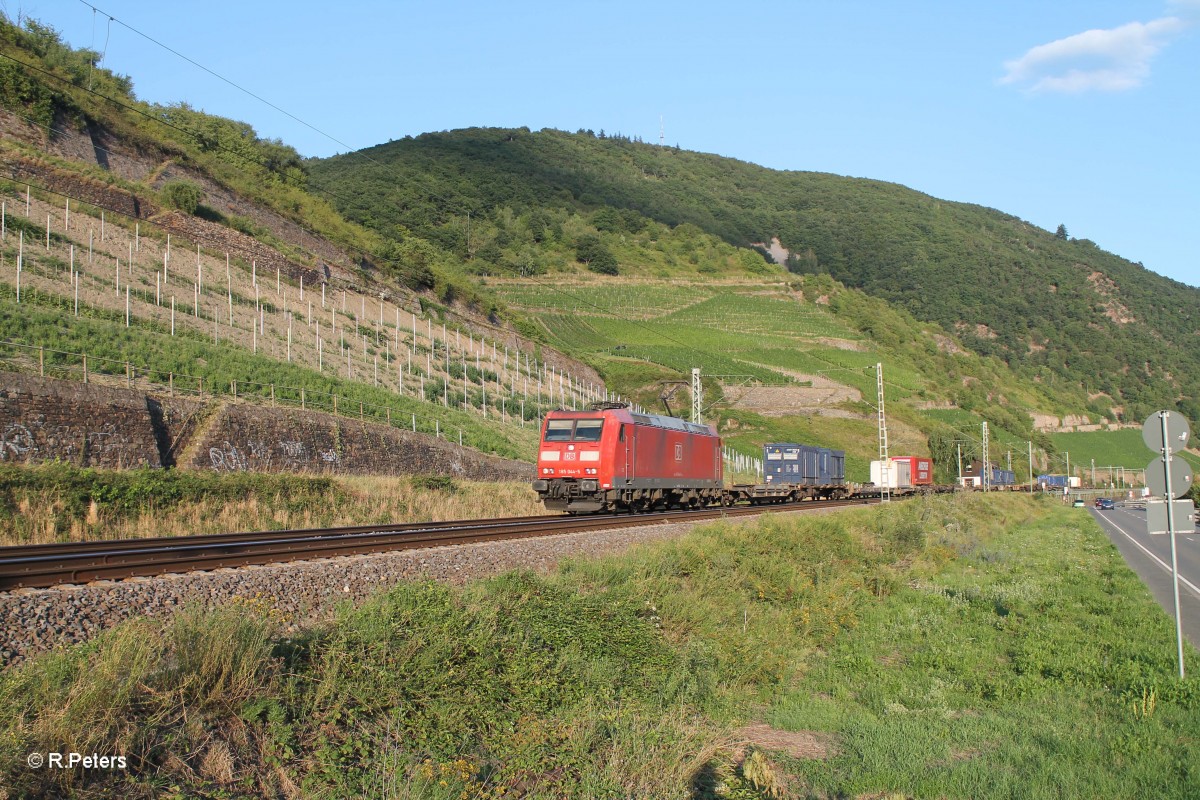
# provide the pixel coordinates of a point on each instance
(1055, 308)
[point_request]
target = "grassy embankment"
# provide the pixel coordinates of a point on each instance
(954, 647)
(60, 502)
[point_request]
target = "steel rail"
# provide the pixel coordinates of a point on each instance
(110, 545)
(41, 566)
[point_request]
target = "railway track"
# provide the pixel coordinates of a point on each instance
(41, 566)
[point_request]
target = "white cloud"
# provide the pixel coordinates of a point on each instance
(1104, 60)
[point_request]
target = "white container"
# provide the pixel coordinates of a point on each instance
(899, 474)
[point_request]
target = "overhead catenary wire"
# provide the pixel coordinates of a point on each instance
(220, 77)
(194, 136)
(351, 151)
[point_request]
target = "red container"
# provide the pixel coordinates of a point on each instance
(921, 469)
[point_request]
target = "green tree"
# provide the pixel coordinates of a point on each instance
(609, 219)
(1061, 233)
(590, 251)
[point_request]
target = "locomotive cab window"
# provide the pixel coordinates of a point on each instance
(588, 430)
(559, 430)
(573, 430)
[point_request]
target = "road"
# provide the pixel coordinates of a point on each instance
(1150, 557)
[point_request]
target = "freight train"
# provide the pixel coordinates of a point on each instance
(610, 458)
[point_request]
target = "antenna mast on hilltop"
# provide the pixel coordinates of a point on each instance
(661, 131)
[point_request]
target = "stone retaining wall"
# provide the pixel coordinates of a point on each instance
(93, 426)
(43, 419)
(72, 185)
(252, 438)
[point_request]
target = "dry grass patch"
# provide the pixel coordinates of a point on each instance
(101, 506)
(804, 745)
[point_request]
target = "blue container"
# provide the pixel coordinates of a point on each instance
(803, 464)
(1003, 477)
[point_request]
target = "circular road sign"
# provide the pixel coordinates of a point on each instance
(1177, 431)
(1181, 476)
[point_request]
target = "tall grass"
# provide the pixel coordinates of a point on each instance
(61, 502)
(1034, 666)
(949, 647)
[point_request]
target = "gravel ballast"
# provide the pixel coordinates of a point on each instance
(36, 620)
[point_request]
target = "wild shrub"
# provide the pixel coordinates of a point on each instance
(183, 195)
(436, 483)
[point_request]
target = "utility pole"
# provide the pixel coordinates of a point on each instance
(960, 463)
(987, 469)
(697, 396)
(1030, 444)
(885, 492)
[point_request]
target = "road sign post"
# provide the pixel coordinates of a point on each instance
(1156, 515)
(1165, 432)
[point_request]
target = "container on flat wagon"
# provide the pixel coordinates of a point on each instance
(920, 469)
(1052, 481)
(899, 473)
(789, 463)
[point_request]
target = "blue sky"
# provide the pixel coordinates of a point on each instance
(1080, 113)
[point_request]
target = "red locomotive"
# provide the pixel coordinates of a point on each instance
(614, 459)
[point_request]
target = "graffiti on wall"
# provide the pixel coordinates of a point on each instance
(259, 455)
(15, 442)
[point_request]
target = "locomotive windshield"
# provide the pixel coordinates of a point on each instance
(571, 430)
(559, 430)
(588, 430)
